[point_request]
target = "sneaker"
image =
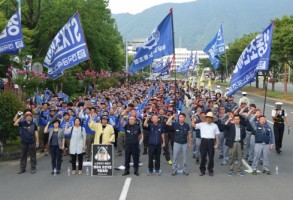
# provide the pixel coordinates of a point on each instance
(240, 173)
(197, 161)
(174, 172)
(158, 172)
(186, 172)
(254, 172)
(149, 173)
(170, 162)
(21, 172)
(221, 157)
(231, 173)
(250, 163)
(223, 163)
(193, 156)
(268, 172)
(33, 171)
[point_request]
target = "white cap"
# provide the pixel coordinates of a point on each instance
(216, 106)
(227, 88)
(244, 93)
(279, 103)
(218, 86)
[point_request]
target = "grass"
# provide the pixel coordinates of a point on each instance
(12, 146)
(279, 96)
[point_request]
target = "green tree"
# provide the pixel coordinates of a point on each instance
(9, 105)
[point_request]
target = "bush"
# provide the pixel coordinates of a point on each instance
(9, 105)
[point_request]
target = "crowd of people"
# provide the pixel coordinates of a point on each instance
(146, 118)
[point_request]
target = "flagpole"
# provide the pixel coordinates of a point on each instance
(266, 90)
(173, 40)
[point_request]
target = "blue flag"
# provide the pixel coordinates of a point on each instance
(186, 64)
(254, 58)
(67, 49)
(11, 39)
(164, 73)
(215, 48)
(157, 45)
(161, 66)
(158, 66)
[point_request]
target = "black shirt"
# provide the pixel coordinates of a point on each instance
(181, 132)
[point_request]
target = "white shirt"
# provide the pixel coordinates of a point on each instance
(280, 112)
(208, 131)
(237, 134)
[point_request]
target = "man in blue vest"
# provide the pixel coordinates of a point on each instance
(264, 142)
(155, 143)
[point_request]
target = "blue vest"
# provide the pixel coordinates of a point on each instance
(263, 134)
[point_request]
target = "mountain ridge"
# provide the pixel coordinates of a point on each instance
(238, 17)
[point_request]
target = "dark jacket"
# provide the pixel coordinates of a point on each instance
(231, 134)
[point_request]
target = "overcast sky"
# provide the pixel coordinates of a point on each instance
(137, 6)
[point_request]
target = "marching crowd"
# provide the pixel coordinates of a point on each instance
(146, 118)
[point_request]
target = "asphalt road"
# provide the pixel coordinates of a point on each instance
(44, 186)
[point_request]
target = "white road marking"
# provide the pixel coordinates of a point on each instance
(270, 106)
(125, 189)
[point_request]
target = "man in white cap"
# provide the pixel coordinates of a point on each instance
(280, 117)
(209, 142)
(244, 98)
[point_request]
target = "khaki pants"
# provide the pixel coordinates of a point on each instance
(236, 150)
(121, 141)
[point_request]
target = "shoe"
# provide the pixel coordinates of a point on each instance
(186, 172)
(193, 156)
(21, 172)
(73, 172)
(79, 172)
(197, 161)
(211, 173)
(170, 162)
(52, 172)
(223, 163)
(119, 154)
(240, 173)
(250, 163)
(279, 151)
(202, 174)
(158, 173)
(46, 154)
(221, 157)
(254, 172)
(136, 173)
(268, 173)
(125, 173)
(174, 172)
(33, 171)
(58, 172)
(231, 173)
(149, 173)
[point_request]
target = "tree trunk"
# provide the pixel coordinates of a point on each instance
(273, 85)
(264, 81)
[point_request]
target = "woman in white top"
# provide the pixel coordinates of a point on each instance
(77, 144)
